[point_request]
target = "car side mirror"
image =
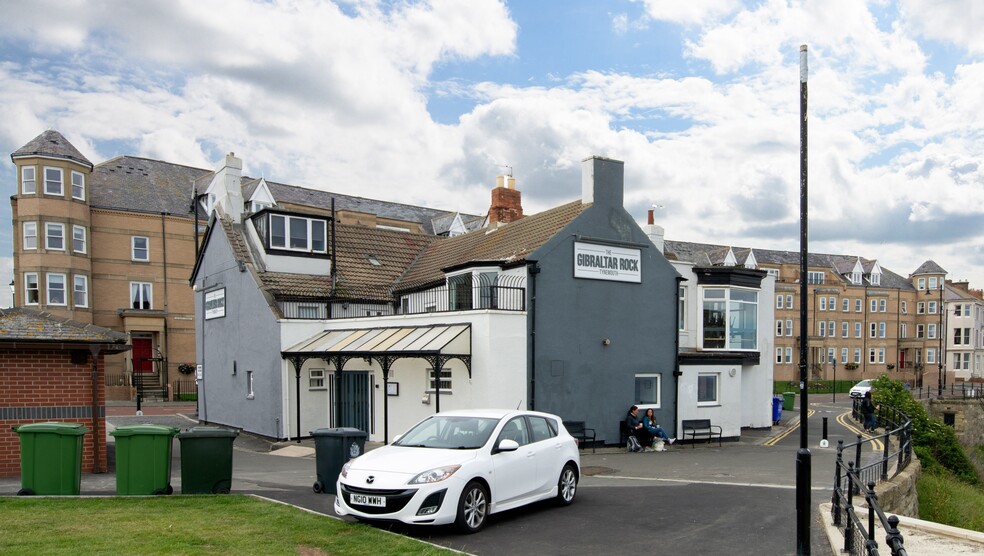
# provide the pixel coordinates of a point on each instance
(507, 445)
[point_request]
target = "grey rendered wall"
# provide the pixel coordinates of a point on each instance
(574, 374)
(247, 338)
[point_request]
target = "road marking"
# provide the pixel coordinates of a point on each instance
(775, 440)
(844, 419)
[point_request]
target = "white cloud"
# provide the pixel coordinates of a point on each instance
(958, 22)
(690, 13)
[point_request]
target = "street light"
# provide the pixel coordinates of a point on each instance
(939, 334)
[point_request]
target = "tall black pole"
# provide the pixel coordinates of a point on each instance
(803, 471)
(939, 334)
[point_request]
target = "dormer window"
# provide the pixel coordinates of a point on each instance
(298, 233)
(875, 279)
(855, 278)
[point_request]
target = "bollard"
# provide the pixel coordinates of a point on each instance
(139, 412)
(823, 442)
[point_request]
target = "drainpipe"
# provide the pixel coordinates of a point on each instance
(96, 434)
(167, 346)
(534, 269)
(677, 373)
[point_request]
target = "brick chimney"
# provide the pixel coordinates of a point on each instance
(506, 203)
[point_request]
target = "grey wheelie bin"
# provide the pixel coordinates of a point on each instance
(51, 458)
(143, 459)
(206, 460)
(332, 448)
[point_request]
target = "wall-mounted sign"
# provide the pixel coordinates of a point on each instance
(605, 262)
(215, 304)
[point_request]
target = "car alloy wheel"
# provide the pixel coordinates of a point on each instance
(473, 508)
(567, 485)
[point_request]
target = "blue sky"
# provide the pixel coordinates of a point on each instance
(425, 102)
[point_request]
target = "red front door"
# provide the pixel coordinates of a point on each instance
(142, 352)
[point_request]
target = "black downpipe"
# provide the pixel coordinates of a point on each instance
(334, 260)
(677, 373)
(297, 390)
(534, 269)
(167, 345)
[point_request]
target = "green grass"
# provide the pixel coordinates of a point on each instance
(944, 499)
(185, 525)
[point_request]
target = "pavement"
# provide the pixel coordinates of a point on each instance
(739, 494)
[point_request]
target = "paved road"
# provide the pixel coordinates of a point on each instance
(689, 500)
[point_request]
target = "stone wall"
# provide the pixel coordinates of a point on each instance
(968, 416)
(898, 495)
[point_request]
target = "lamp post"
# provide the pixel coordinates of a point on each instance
(939, 334)
(803, 456)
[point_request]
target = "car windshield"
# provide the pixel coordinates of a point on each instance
(864, 384)
(447, 432)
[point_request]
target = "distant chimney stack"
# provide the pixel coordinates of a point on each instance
(656, 233)
(507, 205)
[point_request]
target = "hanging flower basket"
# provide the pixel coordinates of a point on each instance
(851, 366)
(186, 368)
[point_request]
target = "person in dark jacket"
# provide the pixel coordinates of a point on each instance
(637, 429)
(868, 409)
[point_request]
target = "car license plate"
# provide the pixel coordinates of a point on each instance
(366, 500)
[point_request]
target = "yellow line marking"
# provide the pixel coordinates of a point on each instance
(775, 440)
(845, 420)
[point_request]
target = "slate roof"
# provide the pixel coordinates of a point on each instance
(507, 244)
(929, 267)
(30, 325)
(52, 144)
(143, 185)
(701, 254)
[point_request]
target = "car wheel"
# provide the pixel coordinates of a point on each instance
(473, 508)
(567, 485)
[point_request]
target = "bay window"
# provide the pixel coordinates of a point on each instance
(730, 318)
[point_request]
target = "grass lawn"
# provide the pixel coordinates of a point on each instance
(185, 525)
(946, 500)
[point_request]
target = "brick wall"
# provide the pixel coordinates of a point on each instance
(38, 385)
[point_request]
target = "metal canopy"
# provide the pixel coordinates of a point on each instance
(451, 341)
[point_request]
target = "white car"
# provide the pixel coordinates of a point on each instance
(860, 389)
(462, 466)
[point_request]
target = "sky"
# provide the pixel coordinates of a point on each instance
(426, 102)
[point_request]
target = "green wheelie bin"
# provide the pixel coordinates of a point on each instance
(788, 399)
(51, 458)
(143, 459)
(332, 448)
(206, 460)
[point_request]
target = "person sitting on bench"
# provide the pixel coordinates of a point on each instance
(638, 430)
(649, 421)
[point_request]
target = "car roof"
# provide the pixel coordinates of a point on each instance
(492, 413)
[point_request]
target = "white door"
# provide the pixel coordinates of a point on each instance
(514, 472)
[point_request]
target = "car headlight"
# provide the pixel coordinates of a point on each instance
(435, 475)
(345, 469)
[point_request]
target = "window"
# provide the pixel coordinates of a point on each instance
(931, 331)
(298, 234)
(822, 325)
(774, 272)
(80, 291)
(931, 355)
(814, 277)
(29, 182)
(823, 304)
(932, 282)
(31, 292)
(56, 289)
(855, 277)
(460, 292)
(845, 332)
(832, 303)
(54, 236)
(873, 330)
(922, 283)
(857, 356)
(789, 328)
(541, 428)
(682, 309)
(881, 329)
(931, 308)
(881, 356)
(779, 299)
(316, 379)
(789, 301)
(789, 355)
(874, 305)
(445, 380)
(831, 356)
(857, 305)
(920, 330)
(857, 330)
(882, 305)
(844, 355)
(904, 309)
(778, 327)
(961, 336)
(831, 328)
(875, 278)
(249, 385)
(921, 308)
(779, 355)
(903, 330)
(647, 389)
(956, 309)
(78, 239)
(707, 389)
(140, 248)
(30, 235)
(730, 318)
(53, 181)
(78, 185)
(871, 355)
(141, 295)
(845, 304)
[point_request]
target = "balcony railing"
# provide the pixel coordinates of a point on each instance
(437, 300)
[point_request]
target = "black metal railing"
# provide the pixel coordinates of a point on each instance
(954, 390)
(184, 390)
(118, 379)
(854, 479)
(437, 300)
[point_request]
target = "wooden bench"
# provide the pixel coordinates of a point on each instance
(581, 433)
(703, 428)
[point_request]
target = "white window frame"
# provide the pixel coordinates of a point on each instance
(308, 238)
(930, 355)
(857, 356)
(48, 228)
(33, 180)
(822, 328)
(832, 303)
(931, 308)
(49, 288)
(881, 356)
(903, 330)
(845, 305)
(29, 278)
(779, 327)
(61, 181)
(716, 393)
(789, 355)
(921, 283)
(78, 231)
(844, 355)
(249, 386)
(729, 300)
(682, 308)
(823, 303)
(78, 185)
(789, 301)
(831, 355)
(871, 355)
(446, 377)
(858, 305)
(931, 331)
(873, 330)
(920, 307)
(845, 329)
(83, 280)
(658, 383)
(134, 249)
(873, 303)
(29, 239)
(932, 282)
(882, 329)
(137, 294)
(857, 330)
(789, 327)
(920, 331)
(316, 379)
(779, 355)
(814, 277)
(832, 328)
(779, 304)
(904, 307)
(882, 305)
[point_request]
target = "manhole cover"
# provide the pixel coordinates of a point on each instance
(596, 470)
